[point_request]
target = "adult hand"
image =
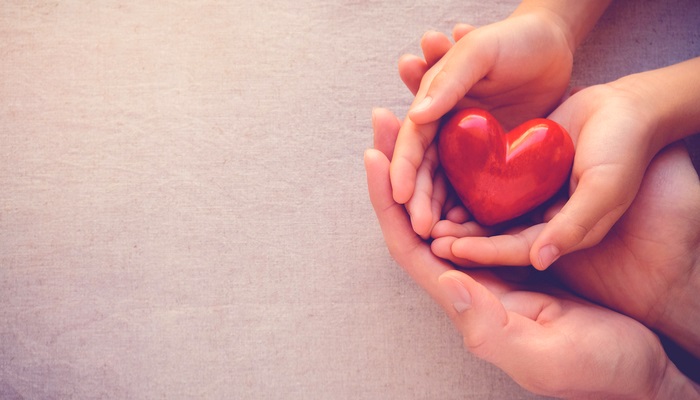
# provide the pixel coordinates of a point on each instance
(550, 342)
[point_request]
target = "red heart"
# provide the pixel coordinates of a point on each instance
(501, 176)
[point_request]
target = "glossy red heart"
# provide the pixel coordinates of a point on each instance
(500, 176)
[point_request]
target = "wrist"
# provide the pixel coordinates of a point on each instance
(668, 97)
(574, 18)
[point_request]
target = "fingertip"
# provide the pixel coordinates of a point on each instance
(379, 113)
(441, 246)
(546, 256)
(366, 155)
(402, 181)
(421, 224)
(409, 62)
(376, 165)
(460, 30)
(411, 70)
(458, 214)
(371, 156)
(583, 221)
(455, 291)
(408, 57)
(422, 106)
(423, 112)
(430, 33)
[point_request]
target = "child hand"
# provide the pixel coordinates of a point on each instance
(612, 132)
(617, 128)
(517, 69)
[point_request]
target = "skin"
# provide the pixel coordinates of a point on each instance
(547, 340)
(617, 128)
(647, 264)
(492, 68)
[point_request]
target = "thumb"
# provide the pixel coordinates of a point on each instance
(508, 336)
(449, 80)
(599, 200)
(478, 314)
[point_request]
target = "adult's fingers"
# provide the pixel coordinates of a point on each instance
(502, 326)
(477, 313)
(491, 331)
(407, 248)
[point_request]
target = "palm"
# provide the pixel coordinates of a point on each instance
(573, 334)
(647, 253)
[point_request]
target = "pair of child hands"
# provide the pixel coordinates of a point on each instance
(519, 69)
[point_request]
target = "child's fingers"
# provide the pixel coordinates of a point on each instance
(460, 30)
(411, 144)
(457, 213)
(513, 249)
(434, 45)
(420, 206)
(449, 80)
(411, 70)
(442, 247)
(598, 201)
(470, 244)
(459, 230)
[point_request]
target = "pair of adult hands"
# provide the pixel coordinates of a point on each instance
(550, 341)
(547, 339)
(519, 69)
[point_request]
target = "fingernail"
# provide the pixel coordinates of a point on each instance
(425, 103)
(458, 295)
(548, 254)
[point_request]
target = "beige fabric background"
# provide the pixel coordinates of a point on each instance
(183, 210)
